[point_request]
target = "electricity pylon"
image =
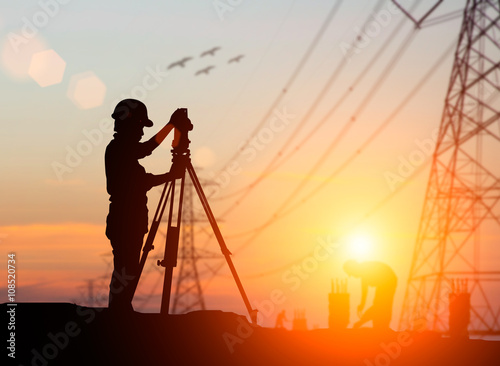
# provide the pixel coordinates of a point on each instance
(188, 292)
(459, 232)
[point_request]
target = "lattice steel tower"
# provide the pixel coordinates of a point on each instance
(459, 232)
(188, 294)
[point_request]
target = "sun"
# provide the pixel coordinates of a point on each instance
(360, 246)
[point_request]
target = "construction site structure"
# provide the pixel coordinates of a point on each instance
(338, 305)
(299, 320)
(459, 308)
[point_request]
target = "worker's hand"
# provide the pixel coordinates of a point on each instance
(176, 171)
(360, 310)
(180, 120)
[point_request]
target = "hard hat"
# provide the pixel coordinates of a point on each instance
(132, 109)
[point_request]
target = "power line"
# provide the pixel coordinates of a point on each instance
(442, 18)
(332, 78)
(379, 130)
(268, 47)
(269, 168)
(363, 146)
(370, 212)
(378, 83)
(291, 80)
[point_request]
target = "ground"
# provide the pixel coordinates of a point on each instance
(67, 334)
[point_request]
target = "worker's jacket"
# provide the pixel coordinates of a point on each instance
(127, 184)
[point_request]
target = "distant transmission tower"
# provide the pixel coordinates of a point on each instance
(459, 233)
(188, 294)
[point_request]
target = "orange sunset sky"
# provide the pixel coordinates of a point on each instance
(55, 126)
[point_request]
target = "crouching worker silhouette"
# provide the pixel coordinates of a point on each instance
(382, 277)
(127, 184)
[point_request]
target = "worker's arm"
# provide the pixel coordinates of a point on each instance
(367, 316)
(364, 292)
(154, 180)
(176, 172)
(178, 117)
(146, 148)
(160, 136)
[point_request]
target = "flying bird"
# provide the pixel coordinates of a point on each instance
(235, 59)
(210, 52)
(205, 70)
(180, 63)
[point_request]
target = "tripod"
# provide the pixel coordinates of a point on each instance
(182, 162)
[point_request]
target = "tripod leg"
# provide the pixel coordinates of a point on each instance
(220, 239)
(171, 248)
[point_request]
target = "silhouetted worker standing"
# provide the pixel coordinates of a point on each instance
(382, 277)
(280, 319)
(127, 185)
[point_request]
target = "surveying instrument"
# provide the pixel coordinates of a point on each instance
(181, 159)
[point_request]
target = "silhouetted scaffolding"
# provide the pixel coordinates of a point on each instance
(459, 229)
